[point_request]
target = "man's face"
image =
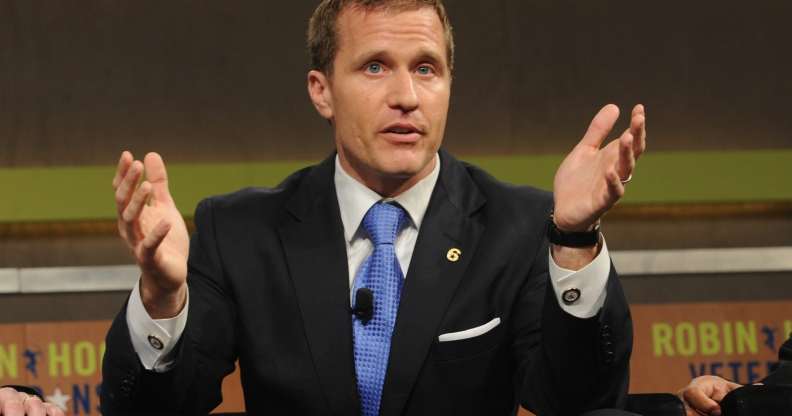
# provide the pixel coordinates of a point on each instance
(388, 94)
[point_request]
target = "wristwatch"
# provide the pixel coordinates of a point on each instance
(572, 239)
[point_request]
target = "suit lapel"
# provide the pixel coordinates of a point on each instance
(432, 278)
(312, 238)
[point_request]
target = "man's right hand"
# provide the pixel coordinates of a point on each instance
(154, 231)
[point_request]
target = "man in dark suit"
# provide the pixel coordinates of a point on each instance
(705, 393)
(470, 309)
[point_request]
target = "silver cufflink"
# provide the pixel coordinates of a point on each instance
(570, 296)
(155, 342)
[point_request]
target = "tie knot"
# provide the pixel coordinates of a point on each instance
(383, 221)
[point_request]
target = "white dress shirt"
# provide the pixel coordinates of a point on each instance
(354, 200)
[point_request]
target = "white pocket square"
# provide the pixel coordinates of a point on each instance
(470, 333)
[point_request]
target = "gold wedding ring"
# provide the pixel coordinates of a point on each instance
(626, 181)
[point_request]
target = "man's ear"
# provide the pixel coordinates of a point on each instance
(321, 96)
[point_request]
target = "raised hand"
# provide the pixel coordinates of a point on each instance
(704, 394)
(591, 179)
(154, 231)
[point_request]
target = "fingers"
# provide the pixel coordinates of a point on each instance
(35, 407)
(601, 126)
(719, 393)
(638, 110)
(13, 408)
(704, 393)
(123, 165)
(131, 215)
(632, 143)
(615, 186)
(158, 176)
(722, 389)
(638, 130)
(626, 162)
(697, 399)
(7, 393)
(12, 402)
(127, 185)
(689, 411)
(53, 410)
(154, 238)
(15, 403)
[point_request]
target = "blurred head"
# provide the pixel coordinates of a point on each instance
(382, 76)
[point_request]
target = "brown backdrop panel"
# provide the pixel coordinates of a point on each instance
(79, 81)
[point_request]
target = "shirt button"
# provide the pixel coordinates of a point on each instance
(570, 296)
(155, 342)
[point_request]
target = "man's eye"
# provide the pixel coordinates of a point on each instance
(425, 70)
(374, 68)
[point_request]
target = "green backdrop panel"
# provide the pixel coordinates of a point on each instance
(81, 193)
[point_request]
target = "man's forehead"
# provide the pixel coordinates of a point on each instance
(358, 25)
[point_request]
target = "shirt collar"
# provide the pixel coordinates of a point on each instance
(355, 199)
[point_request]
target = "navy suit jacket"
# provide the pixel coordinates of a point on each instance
(269, 286)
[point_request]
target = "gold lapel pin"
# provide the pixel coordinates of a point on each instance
(453, 255)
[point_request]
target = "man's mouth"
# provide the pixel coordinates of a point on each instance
(403, 132)
(400, 130)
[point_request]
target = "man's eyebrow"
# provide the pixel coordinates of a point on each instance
(427, 55)
(368, 56)
(423, 55)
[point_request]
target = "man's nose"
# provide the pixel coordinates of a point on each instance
(402, 94)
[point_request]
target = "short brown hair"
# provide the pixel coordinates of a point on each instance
(323, 33)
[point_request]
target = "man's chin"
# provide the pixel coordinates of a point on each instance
(405, 169)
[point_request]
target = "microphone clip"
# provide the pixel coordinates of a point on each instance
(364, 305)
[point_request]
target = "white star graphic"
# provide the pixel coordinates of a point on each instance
(59, 399)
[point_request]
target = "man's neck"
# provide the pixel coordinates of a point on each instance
(388, 186)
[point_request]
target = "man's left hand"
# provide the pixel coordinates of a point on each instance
(591, 179)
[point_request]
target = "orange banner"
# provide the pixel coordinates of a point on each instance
(676, 342)
(673, 343)
(63, 361)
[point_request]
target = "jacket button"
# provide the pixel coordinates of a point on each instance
(127, 386)
(605, 331)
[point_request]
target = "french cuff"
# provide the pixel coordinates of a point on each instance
(582, 293)
(154, 339)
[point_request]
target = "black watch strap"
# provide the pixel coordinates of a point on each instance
(572, 239)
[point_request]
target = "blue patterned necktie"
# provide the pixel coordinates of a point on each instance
(381, 274)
